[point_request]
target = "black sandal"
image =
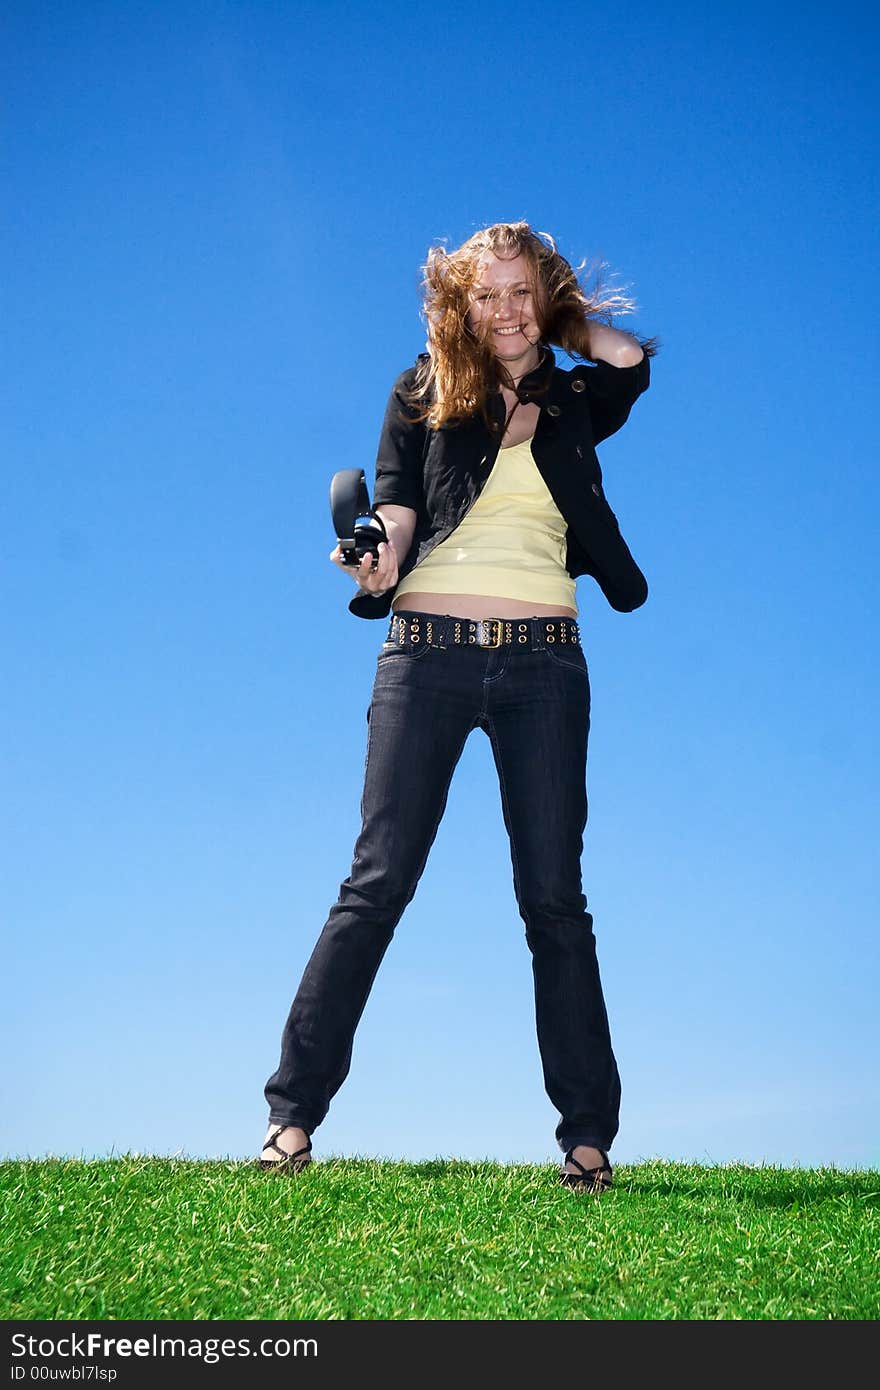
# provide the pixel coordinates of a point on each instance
(290, 1163)
(589, 1179)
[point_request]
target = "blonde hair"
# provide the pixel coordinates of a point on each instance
(455, 379)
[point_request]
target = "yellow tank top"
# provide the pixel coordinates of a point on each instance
(511, 544)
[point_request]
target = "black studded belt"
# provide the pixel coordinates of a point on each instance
(445, 630)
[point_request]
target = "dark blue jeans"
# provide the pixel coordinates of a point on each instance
(533, 702)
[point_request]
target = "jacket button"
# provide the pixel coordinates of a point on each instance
(597, 489)
(553, 410)
(578, 384)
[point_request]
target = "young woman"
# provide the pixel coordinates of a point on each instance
(489, 488)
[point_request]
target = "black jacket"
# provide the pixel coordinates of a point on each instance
(441, 473)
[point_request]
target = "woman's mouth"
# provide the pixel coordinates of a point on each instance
(508, 332)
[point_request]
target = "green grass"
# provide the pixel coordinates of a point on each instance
(148, 1238)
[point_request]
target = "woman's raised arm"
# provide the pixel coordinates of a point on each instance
(613, 345)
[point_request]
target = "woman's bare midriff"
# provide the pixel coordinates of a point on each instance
(478, 606)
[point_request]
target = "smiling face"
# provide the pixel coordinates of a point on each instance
(503, 312)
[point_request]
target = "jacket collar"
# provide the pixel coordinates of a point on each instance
(536, 382)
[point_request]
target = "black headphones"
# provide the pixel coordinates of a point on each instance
(349, 506)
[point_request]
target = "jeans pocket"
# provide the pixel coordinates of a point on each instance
(406, 651)
(570, 654)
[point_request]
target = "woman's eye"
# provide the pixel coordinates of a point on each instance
(481, 296)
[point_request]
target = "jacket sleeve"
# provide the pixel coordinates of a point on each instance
(401, 448)
(613, 392)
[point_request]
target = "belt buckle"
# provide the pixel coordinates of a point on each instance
(489, 622)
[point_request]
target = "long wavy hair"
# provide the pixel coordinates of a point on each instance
(454, 380)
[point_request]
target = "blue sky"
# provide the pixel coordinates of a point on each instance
(213, 243)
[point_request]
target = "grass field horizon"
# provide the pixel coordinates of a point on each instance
(135, 1237)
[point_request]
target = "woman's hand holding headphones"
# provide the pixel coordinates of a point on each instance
(371, 580)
